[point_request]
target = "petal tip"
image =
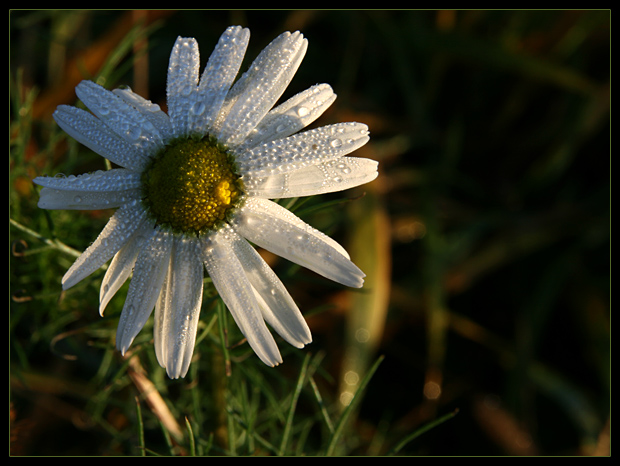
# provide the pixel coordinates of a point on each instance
(66, 283)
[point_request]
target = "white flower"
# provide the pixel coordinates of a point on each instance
(194, 188)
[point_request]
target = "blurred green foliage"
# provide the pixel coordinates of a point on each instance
(483, 327)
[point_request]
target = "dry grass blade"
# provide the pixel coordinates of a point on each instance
(370, 249)
(151, 395)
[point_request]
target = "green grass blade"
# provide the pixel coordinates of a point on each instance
(289, 421)
(192, 440)
(431, 425)
(140, 428)
(323, 408)
(342, 422)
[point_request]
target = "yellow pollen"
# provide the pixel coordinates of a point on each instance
(223, 192)
(191, 186)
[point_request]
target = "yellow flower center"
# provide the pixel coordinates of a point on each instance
(191, 186)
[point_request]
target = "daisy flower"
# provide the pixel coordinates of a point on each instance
(193, 189)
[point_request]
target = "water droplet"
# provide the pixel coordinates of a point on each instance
(186, 90)
(77, 199)
(303, 111)
(198, 108)
(134, 133)
(335, 143)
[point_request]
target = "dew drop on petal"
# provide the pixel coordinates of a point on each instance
(344, 168)
(198, 108)
(134, 133)
(335, 143)
(187, 90)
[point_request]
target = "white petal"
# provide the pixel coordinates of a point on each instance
(115, 234)
(122, 118)
(274, 228)
(122, 264)
(53, 199)
(303, 149)
(182, 83)
(237, 293)
(148, 276)
(261, 86)
(117, 179)
(178, 308)
(87, 129)
(151, 111)
(291, 116)
(327, 177)
(279, 309)
(219, 74)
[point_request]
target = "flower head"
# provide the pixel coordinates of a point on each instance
(193, 189)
